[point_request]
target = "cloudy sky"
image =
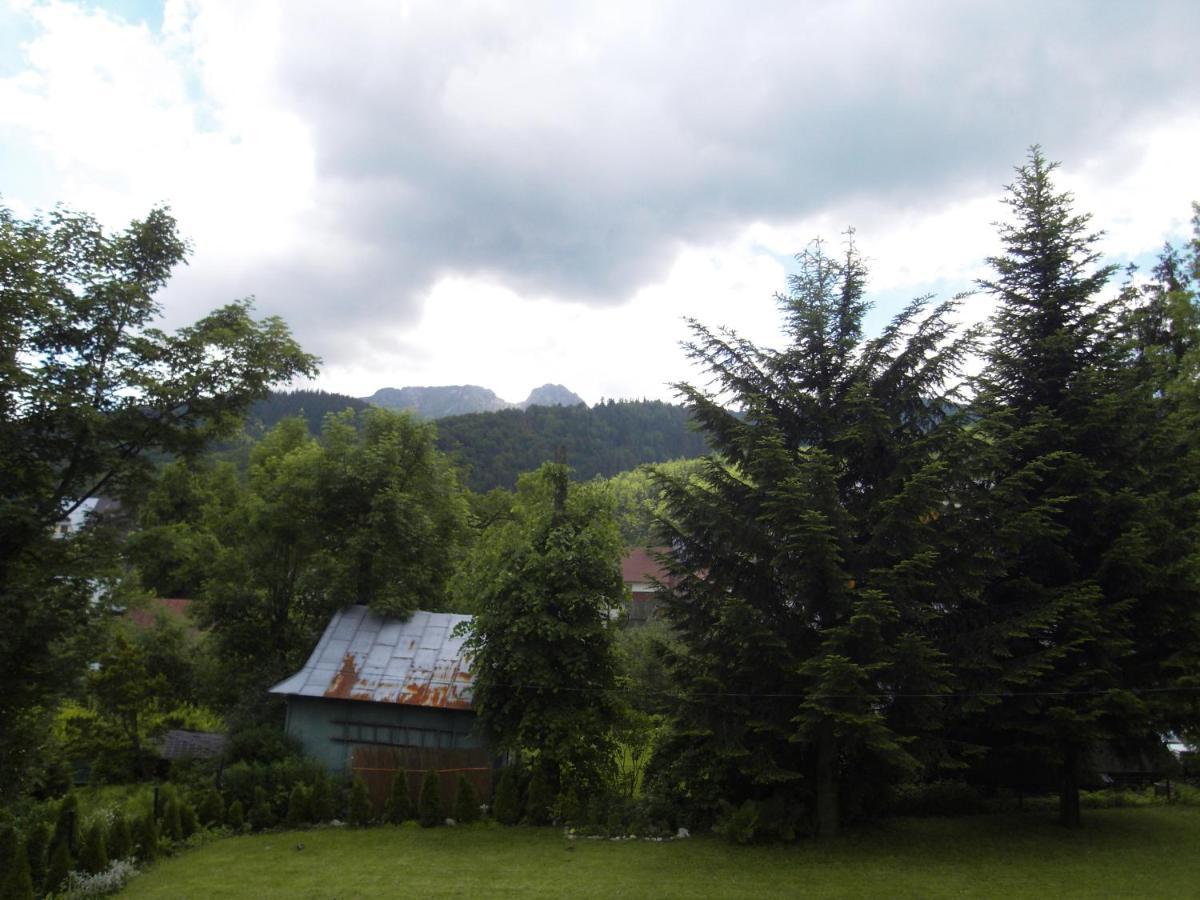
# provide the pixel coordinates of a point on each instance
(514, 193)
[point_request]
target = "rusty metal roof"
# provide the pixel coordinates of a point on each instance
(362, 656)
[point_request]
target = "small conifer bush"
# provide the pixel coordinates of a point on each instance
(430, 811)
(466, 801)
(399, 806)
(211, 811)
(506, 805)
(261, 815)
(59, 868)
(93, 856)
(66, 827)
(120, 838)
(16, 882)
(322, 800)
(37, 849)
(569, 807)
(147, 837)
(539, 799)
(235, 816)
(360, 803)
(299, 811)
(172, 827)
(187, 819)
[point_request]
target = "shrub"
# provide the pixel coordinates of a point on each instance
(172, 826)
(66, 827)
(322, 799)
(8, 846)
(738, 825)
(235, 816)
(93, 856)
(16, 882)
(147, 837)
(120, 839)
(187, 819)
(261, 744)
(37, 847)
(359, 804)
(570, 810)
(938, 798)
(211, 811)
(430, 811)
(538, 799)
(506, 805)
(59, 868)
(261, 815)
(299, 811)
(399, 805)
(466, 801)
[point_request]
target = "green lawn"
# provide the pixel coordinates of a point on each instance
(1152, 852)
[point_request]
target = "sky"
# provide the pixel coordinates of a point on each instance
(510, 194)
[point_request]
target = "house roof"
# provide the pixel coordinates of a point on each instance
(361, 656)
(176, 608)
(180, 744)
(640, 566)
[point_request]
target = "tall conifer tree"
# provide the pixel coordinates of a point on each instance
(804, 555)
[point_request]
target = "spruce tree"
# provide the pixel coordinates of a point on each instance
(1070, 638)
(59, 868)
(66, 825)
(809, 561)
(430, 811)
(299, 811)
(235, 816)
(212, 809)
(147, 837)
(538, 799)
(37, 847)
(322, 800)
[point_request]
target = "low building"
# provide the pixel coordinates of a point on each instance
(379, 696)
(642, 574)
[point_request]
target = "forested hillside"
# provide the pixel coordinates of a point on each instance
(611, 437)
(313, 405)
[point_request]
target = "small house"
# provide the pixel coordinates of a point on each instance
(380, 696)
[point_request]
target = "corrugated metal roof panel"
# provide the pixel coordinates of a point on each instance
(364, 657)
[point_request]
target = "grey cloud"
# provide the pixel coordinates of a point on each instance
(571, 153)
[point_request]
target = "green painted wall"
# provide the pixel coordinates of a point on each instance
(329, 729)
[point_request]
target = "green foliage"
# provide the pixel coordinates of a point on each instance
(66, 825)
(89, 390)
(539, 799)
(637, 496)
(399, 805)
(261, 815)
(466, 801)
(740, 824)
(211, 811)
(16, 879)
(938, 798)
(496, 448)
(93, 857)
(808, 564)
(570, 810)
(124, 689)
(545, 581)
(359, 810)
(235, 816)
(268, 571)
(322, 799)
(430, 810)
(1082, 628)
(120, 838)
(187, 819)
(261, 744)
(299, 811)
(506, 802)
(59, 868)
(37, 849)
(172, 824)
(146, 839)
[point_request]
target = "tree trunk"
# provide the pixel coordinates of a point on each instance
(827, 787)
(1068, 797)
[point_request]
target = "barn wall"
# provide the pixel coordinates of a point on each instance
(330, 729)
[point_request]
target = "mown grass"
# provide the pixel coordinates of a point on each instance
(1119, 853)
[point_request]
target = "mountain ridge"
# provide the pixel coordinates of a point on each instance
(440, 401)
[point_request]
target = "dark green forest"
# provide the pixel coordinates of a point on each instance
(493, 449)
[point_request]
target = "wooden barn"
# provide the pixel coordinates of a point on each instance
(379, 696)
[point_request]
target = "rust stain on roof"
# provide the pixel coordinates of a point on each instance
(345, 680)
